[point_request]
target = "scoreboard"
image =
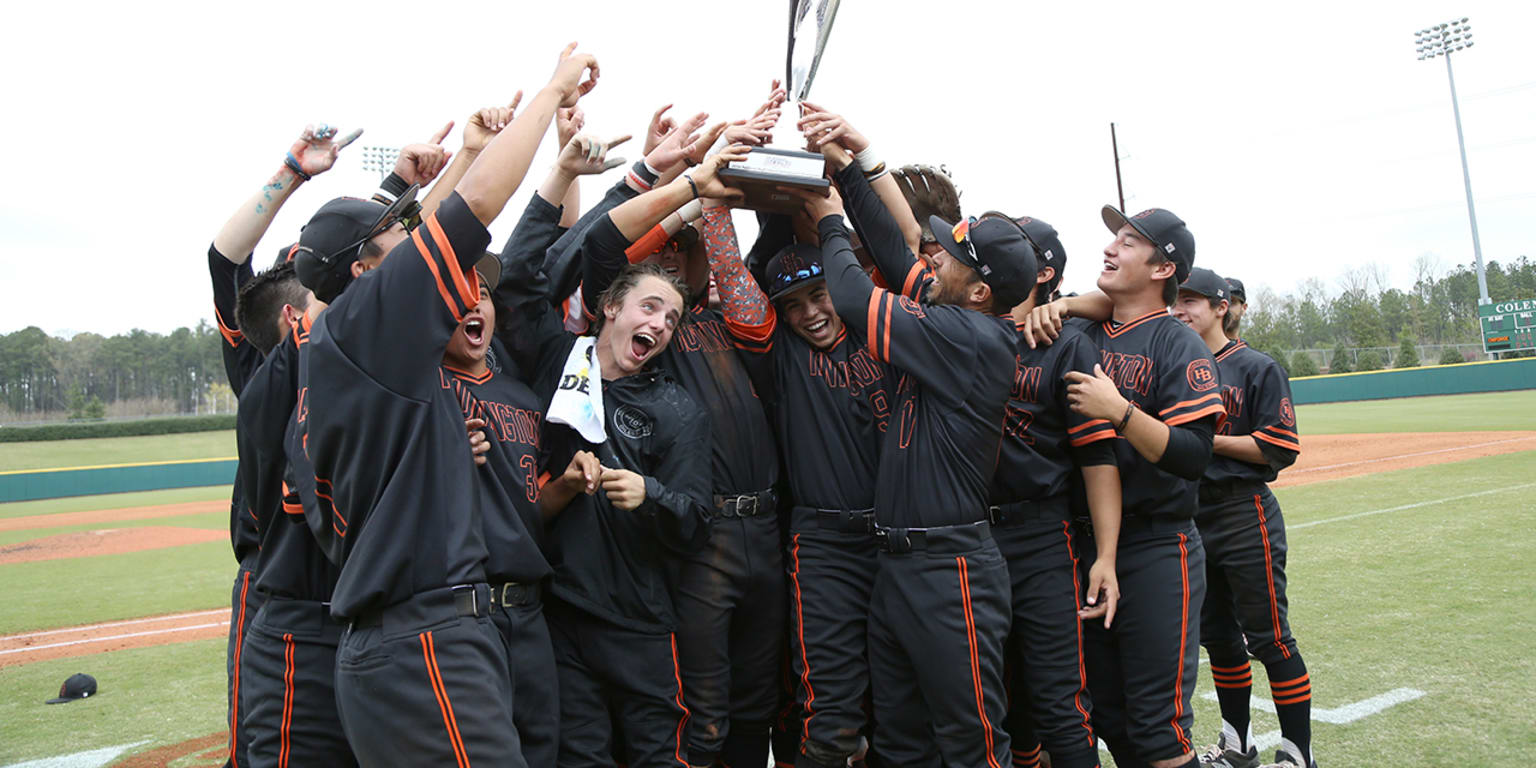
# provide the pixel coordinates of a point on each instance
(1508, 325)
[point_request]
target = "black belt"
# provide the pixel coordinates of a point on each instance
(471, 600)
(1014, 513)
(1211, 493)
(1130, 524)
(513, 594)
(954, 537)
(840, 520)
(746, 504)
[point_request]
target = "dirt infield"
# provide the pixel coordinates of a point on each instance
(111, 541)
(28, 647)
(1331, 457)
(207, 750)
(111, 515)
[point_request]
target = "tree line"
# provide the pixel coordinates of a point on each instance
(1363, 324)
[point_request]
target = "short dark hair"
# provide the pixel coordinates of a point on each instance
(626, 282)
(1171, 284)
(260, 301)
(1230, 322)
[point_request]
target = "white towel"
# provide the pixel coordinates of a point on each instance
(578, 401)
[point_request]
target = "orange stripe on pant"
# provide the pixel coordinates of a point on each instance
(805, 664)
(1269, 577)
(682, 722)
(435, 677)
(1178, 682)
(1082, 671)
(234, 690)
(284, 737)
(970, 637)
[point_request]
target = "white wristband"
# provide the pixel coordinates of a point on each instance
(867, 159)
(691, 211)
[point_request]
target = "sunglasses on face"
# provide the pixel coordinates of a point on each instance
(962, 234)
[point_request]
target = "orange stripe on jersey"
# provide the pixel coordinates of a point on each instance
(872, 321)
(232, 336)
(468, 286)
(1214, 409)
(913, 275)
(1279, 431)
(886, 336)
(1115, 332)
(1086, 425)
(1283, 443)
(442, 288)
(1188, 403)
(1228, 353)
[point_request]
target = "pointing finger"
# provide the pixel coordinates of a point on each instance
(517, 99)
(614, 142)
(437, 138)
(348, 139)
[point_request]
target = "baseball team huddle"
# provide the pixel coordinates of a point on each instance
(621, 493)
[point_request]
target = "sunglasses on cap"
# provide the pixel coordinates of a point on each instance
(784, 280)
(962, 234)
(408, 217)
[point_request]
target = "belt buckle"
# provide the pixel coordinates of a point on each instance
(743, 501)
(474, 597)
(995, 515)
(897, 540)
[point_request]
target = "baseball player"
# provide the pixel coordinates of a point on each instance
(1237, 306)
(1044, 444)
(729, 596)
(1156, 383)
(939, 611)
(229, 268)
(830, 401)
(422, 673)
(1244, 535)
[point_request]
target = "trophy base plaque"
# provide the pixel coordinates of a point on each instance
(766, 169)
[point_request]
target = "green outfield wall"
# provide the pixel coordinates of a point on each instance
(1494, 376)
(27, 485)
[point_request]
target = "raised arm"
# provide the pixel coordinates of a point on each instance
(822, 128)
(481, 128)
(312, 154)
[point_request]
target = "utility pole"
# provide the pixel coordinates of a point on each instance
(1114, 146)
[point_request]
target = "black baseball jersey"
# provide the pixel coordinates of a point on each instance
(830, 408)
(241, 358)
(702, 357)
(386, 433)
(1257, 396)
(954, 367)
(1163, 368)
(509, 480)
(1043, 438)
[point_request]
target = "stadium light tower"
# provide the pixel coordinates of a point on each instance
(1443, 40)
(380, 160)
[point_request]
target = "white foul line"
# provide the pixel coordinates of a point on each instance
(114, 637)
(1340, 715)
(104, 625)
(1289, 473)
(1404, 507)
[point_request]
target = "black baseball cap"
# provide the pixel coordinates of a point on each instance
(1236, 288)
(78, 686)
(334, 238)
(1164, 230)
(1207, 283)
(794, 266)
(1048, 250)
(997, 249)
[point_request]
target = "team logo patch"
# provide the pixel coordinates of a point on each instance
(1287, 413)
(911, 307)
(632, 422)
(1201, 375)
(1145, 214)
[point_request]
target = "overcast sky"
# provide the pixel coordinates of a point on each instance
(1296, 139)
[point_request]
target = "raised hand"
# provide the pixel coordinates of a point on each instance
(484, 124)
(821, 127)
(568, 123)
(567, 79)
(817, 204)
(698, 148)
(316, 148)
(674, 146)
(661, 125)
(420, 163)
(587, 154)
(707, 179)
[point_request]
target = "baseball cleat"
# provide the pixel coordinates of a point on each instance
(1284, 759)
(1225, 753)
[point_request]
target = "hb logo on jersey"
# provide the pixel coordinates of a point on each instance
(1287, 413)
(1201, 375)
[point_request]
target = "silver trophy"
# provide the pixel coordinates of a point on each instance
(765, 169)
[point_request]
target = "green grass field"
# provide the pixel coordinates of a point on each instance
(1418, 578)
(116, 450)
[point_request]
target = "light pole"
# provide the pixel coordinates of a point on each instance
(1442, 40)
(381, 160)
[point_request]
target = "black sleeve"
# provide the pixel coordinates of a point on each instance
(882, 239)
(563, 260)
(774, 233)
(1274, 419)
(525, 312)
(1095, 454)
(602, 259)
(1189, 448)
(678, 493)
(240, 356)
(394, 322)
(929, 343)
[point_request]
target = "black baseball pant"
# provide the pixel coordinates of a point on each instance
(1048, 684)
(1142, 671)
(243, 602)
(1244, 538)
(617, 677)
(730, 608)
(425, 682)
(531, 659)
(288, 672)
(938, 619)
(832, 561)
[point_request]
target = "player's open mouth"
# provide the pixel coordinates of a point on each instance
(1110, 266)
(474, 330)
(672, 269)
(641, 345)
